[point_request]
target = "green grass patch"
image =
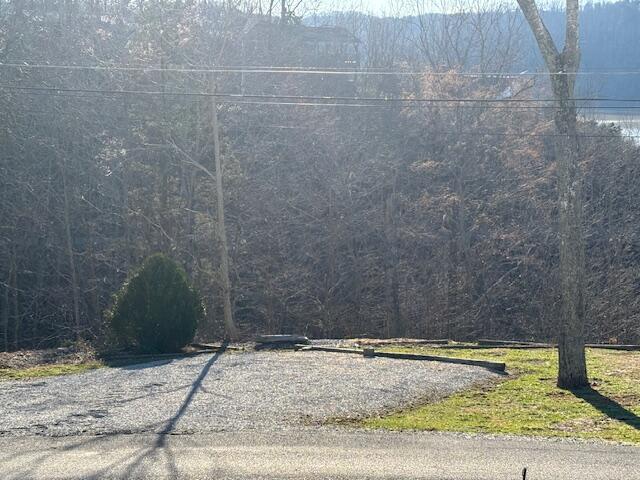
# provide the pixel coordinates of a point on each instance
(528, 402)
(52, 370)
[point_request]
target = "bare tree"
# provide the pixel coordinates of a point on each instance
(477, 35)
(563, 66)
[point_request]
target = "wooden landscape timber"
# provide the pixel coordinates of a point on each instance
(495, 343)
(481, 344)
(474, 346)
(214, 347)
(319, 348)
(396, 341)
(500, 366)
(282, 339)
(612, 346)
(485, 343)
(370, 352)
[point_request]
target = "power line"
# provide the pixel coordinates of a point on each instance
(357, 105)
(324, 104)
(305, 100)
(309, 70)
(435, 133)
(474, 134)
(533, 135)
(496, 134)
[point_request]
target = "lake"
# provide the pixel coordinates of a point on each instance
(628, 122)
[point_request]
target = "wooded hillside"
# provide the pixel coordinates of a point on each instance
(387, 215)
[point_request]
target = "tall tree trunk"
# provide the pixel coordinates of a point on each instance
(127, 248)
(336, 325)
(222, 231)
(572, 362)
(70, 253)
(164, 218)
(17, 319)
(572, 371)
(4, 313)
(395, 325)
(94, 319)
(357, 284)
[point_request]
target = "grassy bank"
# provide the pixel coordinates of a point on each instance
(48, 370)
(527, 402)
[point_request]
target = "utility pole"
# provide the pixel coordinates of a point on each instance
(229, 324)
(283, 12)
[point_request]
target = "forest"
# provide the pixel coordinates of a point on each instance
(607, 31)
(362, 197)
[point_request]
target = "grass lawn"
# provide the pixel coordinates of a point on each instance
(527, 402)
(48, 370)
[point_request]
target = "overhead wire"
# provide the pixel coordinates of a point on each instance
(355, 105)
(457, 133)
(327, 101)
(308, 100)
(308, 70)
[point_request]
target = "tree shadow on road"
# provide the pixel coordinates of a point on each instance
(159, 446)
(609, 407)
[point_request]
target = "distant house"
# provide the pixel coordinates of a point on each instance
(271, 44)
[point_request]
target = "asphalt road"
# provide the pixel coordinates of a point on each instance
(314, 455)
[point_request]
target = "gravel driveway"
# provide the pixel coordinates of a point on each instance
(263, 391)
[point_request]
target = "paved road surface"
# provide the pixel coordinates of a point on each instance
(320, 454)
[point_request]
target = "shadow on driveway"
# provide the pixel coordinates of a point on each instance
(154, 452)
(160, 444)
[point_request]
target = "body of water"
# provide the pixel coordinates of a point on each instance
(628, 122)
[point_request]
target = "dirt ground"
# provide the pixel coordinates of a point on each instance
(32, 358)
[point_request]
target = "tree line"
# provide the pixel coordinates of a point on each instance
(385, 218)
